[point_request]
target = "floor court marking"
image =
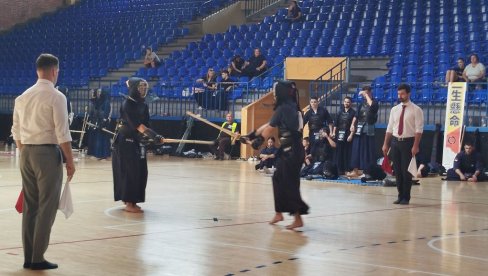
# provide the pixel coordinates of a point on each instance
(457, 215)
(430, 244)
(317, 256)
(435, 248)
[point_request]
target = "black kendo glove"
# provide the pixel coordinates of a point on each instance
(257, 142)
(249, 137)
(152, 136)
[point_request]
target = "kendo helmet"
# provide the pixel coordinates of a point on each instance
(137, 88)
(285, 92)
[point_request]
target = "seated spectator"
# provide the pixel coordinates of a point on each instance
(306, 147)
(236, 66)
(474, 72)
(151, 60)
(223, 139)
(256, 65)
(322, 151)
(209, 86)
(456, 73)
(267, 155)
(467, 165)
(224, 88)
(294, 12)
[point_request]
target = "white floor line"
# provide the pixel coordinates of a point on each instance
(315, 257)
(446, 214)
(432, 246)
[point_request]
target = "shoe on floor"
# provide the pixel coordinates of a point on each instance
(43, 265)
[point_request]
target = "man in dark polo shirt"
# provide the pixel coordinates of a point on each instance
(256, 65)
(467, 165)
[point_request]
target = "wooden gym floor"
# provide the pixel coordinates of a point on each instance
(206, 217)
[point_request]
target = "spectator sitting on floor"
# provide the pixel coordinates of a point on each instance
(474, 72)
(256, 65)
(294, 12)
(267, 155)
(307, 149)
(467, 165)
(322, 151)
(151, 60)
(236, 66)
(455, 74)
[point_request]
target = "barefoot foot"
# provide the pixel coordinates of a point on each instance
(277, 218)
(132, 208)
(295, 224)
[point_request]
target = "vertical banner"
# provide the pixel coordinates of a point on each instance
(453, 125)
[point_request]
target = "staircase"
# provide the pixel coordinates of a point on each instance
(268, 11)
(163, 52)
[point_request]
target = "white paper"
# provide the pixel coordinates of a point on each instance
(66, 202)
(412, 168)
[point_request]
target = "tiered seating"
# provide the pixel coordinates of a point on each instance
(93, 37)
(423, 37)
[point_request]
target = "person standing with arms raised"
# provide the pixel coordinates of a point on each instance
(405, 128)
(41, 131)
(363, 145)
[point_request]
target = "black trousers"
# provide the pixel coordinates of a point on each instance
(222, 145)
(401, 152)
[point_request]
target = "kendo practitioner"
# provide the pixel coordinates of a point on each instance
(343, 136)
(467, 165)
(363, 144)
(316, 118)
(286, 178)
(100, 115)
(129, 161)
(322, 151)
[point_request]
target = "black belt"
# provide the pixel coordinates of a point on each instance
(41, 145)
(404, 139)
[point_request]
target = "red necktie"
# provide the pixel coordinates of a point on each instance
(400, 126)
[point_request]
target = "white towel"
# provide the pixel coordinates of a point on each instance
(412, 167)
(66, 202)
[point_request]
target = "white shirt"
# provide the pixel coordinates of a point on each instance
(473, 72)
(41, 115)
(413, 120)
(152, 57)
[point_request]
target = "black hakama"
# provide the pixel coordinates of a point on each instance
(363, 152)
(129, 167)
(286, 181)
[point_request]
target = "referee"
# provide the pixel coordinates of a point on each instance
(406, 125)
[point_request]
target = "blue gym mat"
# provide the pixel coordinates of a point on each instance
(347, 181)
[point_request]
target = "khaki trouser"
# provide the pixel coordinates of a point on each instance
(42, 176)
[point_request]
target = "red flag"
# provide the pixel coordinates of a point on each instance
(20, 202)
(386, 165)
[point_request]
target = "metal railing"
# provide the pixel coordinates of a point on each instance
(336, 74)
(172, 100)
(431, 97)
(254, 6)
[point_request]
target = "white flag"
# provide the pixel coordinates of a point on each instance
(412, 168)
(66, 202)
